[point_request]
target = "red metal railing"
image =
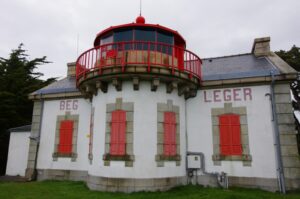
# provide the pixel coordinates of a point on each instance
(147, 54)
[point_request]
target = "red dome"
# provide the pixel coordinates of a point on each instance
(140, 19)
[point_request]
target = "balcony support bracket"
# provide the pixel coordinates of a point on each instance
(136, 83)
(171, 86)
(154, 84)
(117, 84)
(102, 86)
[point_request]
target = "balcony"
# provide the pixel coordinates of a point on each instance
(143, 60)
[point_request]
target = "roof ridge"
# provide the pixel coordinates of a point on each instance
(227, 56)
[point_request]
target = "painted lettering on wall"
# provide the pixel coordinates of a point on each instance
(68, 105)
(227, 95)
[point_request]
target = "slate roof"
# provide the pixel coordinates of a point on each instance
(237, 66)
(65, 85)
(218, 68)
(26, 128)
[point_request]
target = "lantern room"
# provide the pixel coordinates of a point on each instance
(138, 51)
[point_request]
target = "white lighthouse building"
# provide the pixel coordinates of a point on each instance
(139, 111)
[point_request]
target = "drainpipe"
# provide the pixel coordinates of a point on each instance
(186, 140)
(37, 140)
(279, 169)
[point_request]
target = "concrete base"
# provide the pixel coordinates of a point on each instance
(292, 184)
(133, 185)
(160, 184)
(52, 174)
(268, 184)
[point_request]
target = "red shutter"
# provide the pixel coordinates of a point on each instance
(236, 135)
(169, 134)
(230, 134)
(114, 133)
(65, 137)
(122, 133)
(118, 133)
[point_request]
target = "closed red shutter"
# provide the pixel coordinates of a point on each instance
(118, 133)
(65, 137)
(230, 134)
(236, 135)
(169, 134)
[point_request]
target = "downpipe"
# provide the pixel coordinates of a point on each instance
(279, 165)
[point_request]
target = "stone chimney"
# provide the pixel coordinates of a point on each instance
(71, 69)
(261, 46)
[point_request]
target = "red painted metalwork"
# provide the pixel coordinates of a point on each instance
(230, 134)
(140, 19)
(169, 134)
(139, 53)
(118, 133)
(65, 137)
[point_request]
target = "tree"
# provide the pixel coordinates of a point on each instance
(17, 80)
(292, 57)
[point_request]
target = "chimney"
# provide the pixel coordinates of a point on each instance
(261, 46)
(71, 69)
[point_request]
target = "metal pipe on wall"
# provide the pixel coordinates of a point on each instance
(279, 169)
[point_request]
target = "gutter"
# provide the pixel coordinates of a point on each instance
(279, 165)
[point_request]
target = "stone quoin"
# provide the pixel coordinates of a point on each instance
(140, 112)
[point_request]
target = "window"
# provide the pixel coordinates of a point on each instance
(166, 39)
(144, 35)
(65, 137)
(123, 35)
(169, 134)
(118, 133)
(230, 134)
(106, 40)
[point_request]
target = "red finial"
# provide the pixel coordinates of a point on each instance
(140, 19)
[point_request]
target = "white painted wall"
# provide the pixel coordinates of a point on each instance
(51, 110)
(145, 133)
(17, 153)
(199, 128)
(260, 131)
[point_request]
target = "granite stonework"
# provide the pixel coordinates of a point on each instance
(35, 132)
(286, 125)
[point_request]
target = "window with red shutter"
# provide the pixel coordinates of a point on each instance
(230, 134)
(118, 133)
(169, 134)
(65, 137)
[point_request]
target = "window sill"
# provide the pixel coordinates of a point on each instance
(56, 155)
(108, 157)
(243, 157)
(167, 158)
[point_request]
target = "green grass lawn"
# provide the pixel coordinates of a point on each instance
(66, 189)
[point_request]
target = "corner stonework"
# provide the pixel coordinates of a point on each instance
(246, 158)
(129, 109)
(160, 158)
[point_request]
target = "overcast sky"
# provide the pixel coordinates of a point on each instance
(211, 28)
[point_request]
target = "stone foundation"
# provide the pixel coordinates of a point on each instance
(55, 174)
(133, 185)
(128, 185)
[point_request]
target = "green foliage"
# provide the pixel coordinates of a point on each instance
(17, 79)
(66, 189)
(292, 57)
